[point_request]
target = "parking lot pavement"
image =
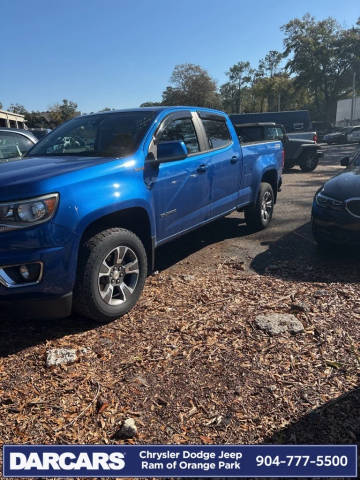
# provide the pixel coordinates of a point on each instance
(288, 237)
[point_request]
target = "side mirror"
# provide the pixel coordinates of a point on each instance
(344, 162)
(171, 151)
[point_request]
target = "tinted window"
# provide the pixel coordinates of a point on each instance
(13, 145)
(250, 134)
(279, 132)
(181, 129)
(110, 134)
(270, 133)
(217, 133)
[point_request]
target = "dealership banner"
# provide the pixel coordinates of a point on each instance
(179, 461)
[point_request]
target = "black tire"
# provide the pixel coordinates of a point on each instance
(254, 214)
(106, 295)
(309, 161)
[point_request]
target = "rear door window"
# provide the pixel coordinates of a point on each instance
(217, 132)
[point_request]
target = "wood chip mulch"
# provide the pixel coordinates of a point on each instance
(189, 365)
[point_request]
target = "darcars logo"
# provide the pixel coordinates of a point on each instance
(67, 461)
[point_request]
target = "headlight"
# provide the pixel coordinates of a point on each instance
(21, 214)
(328, 202)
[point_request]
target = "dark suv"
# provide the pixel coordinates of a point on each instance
(305, 153)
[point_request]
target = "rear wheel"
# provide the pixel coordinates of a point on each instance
(309, 162)
(111, 275)
(258, 216)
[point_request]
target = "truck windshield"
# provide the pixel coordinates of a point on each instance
(111, 134)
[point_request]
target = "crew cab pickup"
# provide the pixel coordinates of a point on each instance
(83, 212)
(305, 153)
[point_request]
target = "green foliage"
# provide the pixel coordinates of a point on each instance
(191, 85)
(60, 113)
(322, 56)
(321, 59)
(17, 108)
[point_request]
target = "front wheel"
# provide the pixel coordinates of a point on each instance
(309, 162)
(258, 216)
(111, 275)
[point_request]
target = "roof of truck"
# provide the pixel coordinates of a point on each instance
(158, 109)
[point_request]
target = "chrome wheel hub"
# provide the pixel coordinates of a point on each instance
(118, 275)
(266, 206)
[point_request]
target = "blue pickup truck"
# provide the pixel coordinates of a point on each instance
(83, 212)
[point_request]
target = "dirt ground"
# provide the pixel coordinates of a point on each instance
(188, 363)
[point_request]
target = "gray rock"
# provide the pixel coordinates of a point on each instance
(276, 323)
(127, 430)
(60, 356)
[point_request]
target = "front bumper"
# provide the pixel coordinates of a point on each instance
(56, 248)
(333, 226)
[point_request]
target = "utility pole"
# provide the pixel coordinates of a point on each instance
(353, 100)
(279, 97)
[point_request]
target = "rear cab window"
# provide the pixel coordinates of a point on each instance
(250, 134)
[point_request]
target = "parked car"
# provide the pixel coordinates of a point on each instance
(305, 153)
(98, 194)
(343, 135)
(336, 206)
(15, 143)
(354, 135)
(322, 128)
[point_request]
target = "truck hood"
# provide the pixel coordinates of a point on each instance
(344, 185)
(21, 175)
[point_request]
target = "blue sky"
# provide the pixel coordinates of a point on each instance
(120, 53)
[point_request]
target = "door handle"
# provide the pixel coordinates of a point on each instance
(202, 168)
(234, 159)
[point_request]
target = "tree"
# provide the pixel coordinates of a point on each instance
(323, 56)
(60, 113)
(1, 105)
(239, 76)
(270, 63)
(191, 85)
(17, 108)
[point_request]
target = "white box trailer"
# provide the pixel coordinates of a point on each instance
(343, 112)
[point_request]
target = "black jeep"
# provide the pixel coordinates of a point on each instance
(305, 153)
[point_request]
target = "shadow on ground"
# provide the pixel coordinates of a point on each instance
(337, 421)
(16, 333)
(218, 231)
(295, 256)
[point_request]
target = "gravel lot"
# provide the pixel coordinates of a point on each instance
(188, 363)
